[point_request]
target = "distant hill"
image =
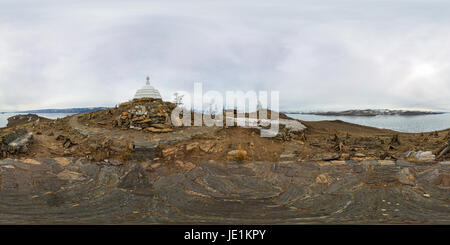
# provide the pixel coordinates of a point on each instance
(68, 110)
(369, 112)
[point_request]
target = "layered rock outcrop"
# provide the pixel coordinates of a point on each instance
(15, 142)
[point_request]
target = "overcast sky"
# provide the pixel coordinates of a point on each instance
(320, 55)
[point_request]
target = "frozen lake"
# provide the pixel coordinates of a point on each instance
(409, 124)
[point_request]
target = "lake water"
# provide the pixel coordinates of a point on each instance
(409, 124)
(4, 117)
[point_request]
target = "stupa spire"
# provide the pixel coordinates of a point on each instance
(147, 91)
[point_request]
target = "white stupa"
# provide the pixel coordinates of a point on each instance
(147, 92)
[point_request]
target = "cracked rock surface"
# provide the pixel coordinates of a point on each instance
(76, 191)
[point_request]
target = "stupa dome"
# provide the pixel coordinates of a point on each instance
(147, 92)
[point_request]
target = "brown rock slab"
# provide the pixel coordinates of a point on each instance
(207, 146)
(31, 161)
(238, 155)
(186, 165)
(443, 180)
(192, 146)
(326, 156)
(407, 176)
(287, 157)
(169, 151)
(386, 162)
(338, 162)
(70, 175)
(156, 130)
(321, 179)
(62, 161)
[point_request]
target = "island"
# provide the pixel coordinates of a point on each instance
(369, 112)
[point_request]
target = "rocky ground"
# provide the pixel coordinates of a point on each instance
(129, 164)
(75, 191)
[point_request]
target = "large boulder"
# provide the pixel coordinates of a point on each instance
(15, 142)
(421, 156)
(237, 155)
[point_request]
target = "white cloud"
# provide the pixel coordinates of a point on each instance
(319, 54)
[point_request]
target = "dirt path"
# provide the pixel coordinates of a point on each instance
(140, 139)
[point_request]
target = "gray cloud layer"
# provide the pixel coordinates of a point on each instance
(318, 54)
